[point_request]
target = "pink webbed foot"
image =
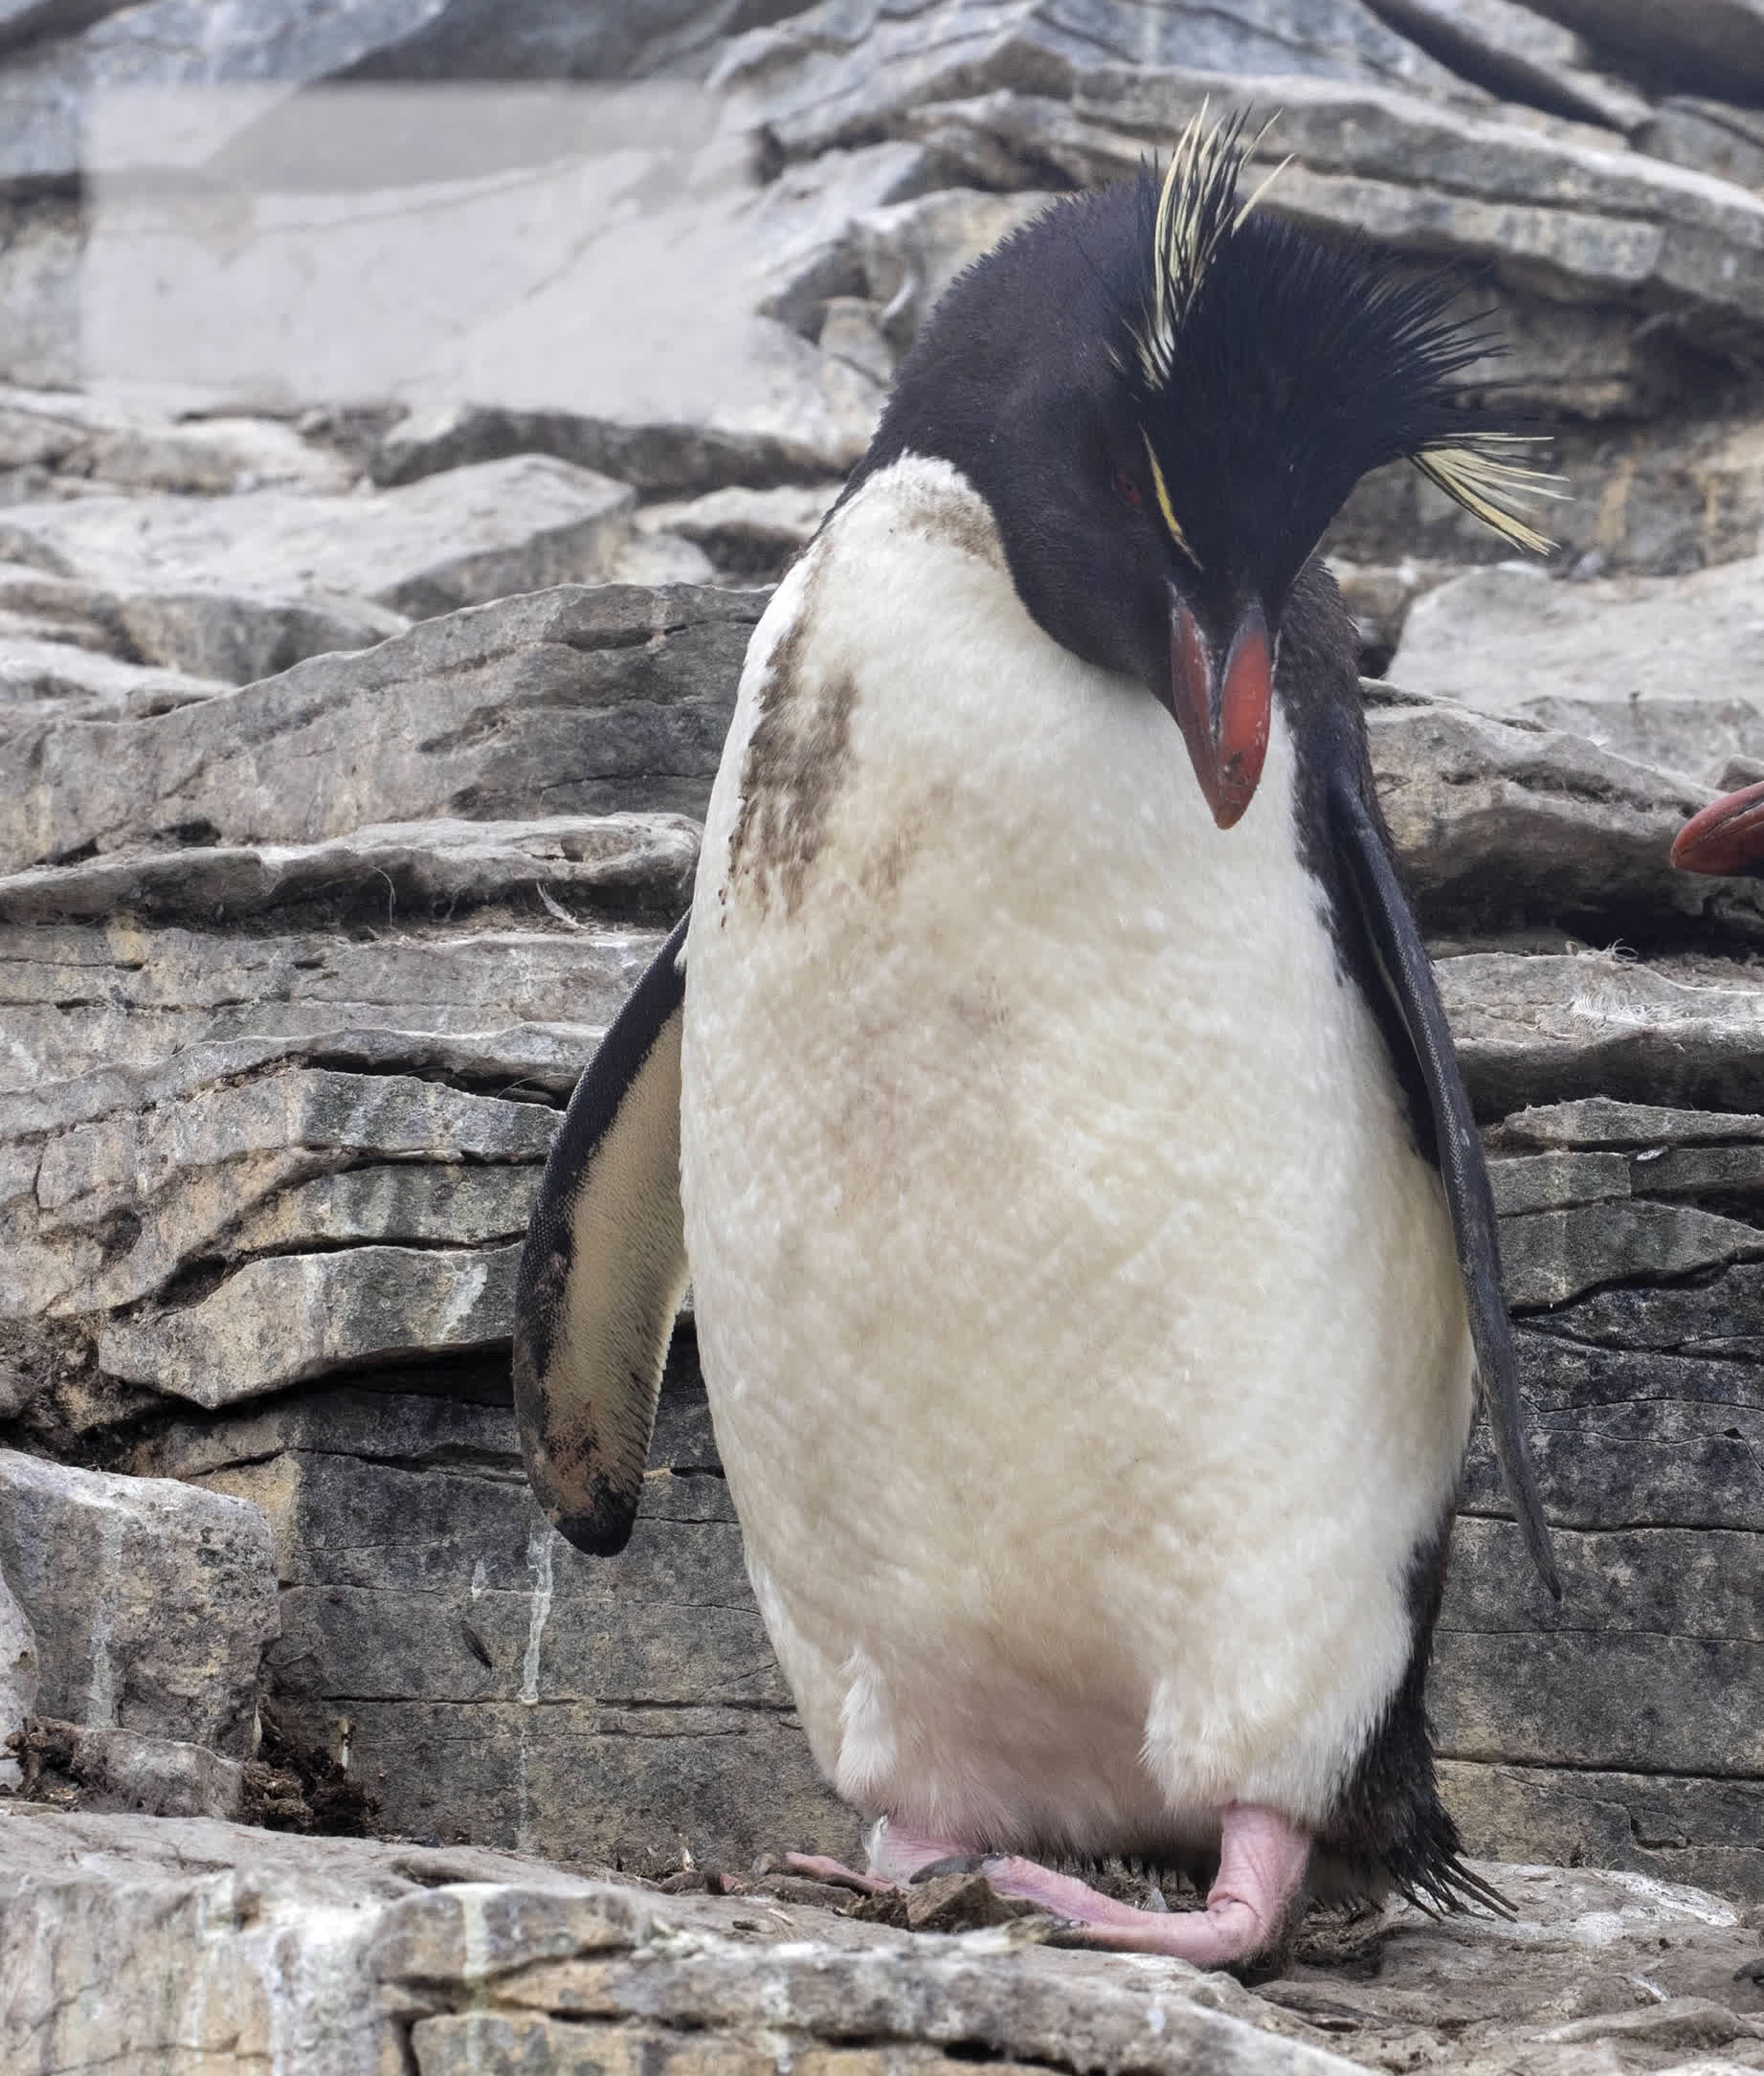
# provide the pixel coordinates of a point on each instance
(1263, 1859)
(822, 1867)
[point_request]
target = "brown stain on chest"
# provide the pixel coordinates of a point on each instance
(795, 762)
(799, 752)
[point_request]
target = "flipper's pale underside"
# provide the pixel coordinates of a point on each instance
(604, 1270)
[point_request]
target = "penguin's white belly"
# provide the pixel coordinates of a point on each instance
(1084, 1334)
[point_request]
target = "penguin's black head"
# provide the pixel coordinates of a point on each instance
(1165, 397)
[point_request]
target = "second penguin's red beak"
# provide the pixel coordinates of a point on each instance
(1726, 838)
(1221, 702)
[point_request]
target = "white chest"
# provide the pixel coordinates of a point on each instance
(1083, 1335)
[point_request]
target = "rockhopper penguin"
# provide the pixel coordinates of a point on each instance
(1091, 1247)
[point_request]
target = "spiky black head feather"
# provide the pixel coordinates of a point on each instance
(1159, 385)
(1270, 371)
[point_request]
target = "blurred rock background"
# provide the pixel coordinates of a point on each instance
(408, 403)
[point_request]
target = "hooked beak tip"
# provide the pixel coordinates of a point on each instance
(1223, 711)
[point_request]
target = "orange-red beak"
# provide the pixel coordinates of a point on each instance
(1222, 705)
(1726, 838)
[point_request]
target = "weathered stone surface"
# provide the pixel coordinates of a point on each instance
(1601, 1121)
(352, 1955)
(1707, 135)
(1551, 1256)
(199, 1944)
(18, 1676)
(1655, 497)
(54, 680)
(1583, 223)
(1657, 669)
(110, 1210)
(40, 289)
(280, 1320)
(834, 74)
(490, 1681)
(1499, 824)
(466, 535)
(1519, 52)
(151, 1600)
(746, 532)
(910, 251)
(92, 436)
(577, 700)
(807, 416)
(1548, 1181)
(44, 91)
(122, 1769)
(1710, 1832)
(1541, 1029)
(1715, 45)
(128, 992)
(212, 636)
(634, 863)
(1630, 1434)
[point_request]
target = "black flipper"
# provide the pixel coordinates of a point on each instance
(1362, 848)
(604, 1270)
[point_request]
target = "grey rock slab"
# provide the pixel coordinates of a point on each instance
(531, 1062)
(1709, 135)
(97, 434)
(583, 699)
(55, 679)
(212, 456)
(1629, 1434)
(486, 1668)
(841, 73)
(1670, 1826)
(1621, 1701)
(470, 1207)
(24, 21)
(77, 995)
(1549, 1181)
(466, 535)
(334, 1955)
(41, 247)
(1499, 823)
(283, 1318)
(805, 416)
(1549, 1257)
(743, 529)
(151, 1600)
(238, 639)
(210, 636)
(1646, 1581)
(1660, 669)
(46, 89)
(19, 1678)
(1602, 1120)
(1675, 492)
(661, 558)
(114, 1209)
(610, 863)
(1716, 46)
(1589, 222)
(122, 1769)
(910, 251)
(1539, 1029)
(1518, 52)
(548, 39)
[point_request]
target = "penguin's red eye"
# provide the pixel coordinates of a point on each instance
(1127, 489)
